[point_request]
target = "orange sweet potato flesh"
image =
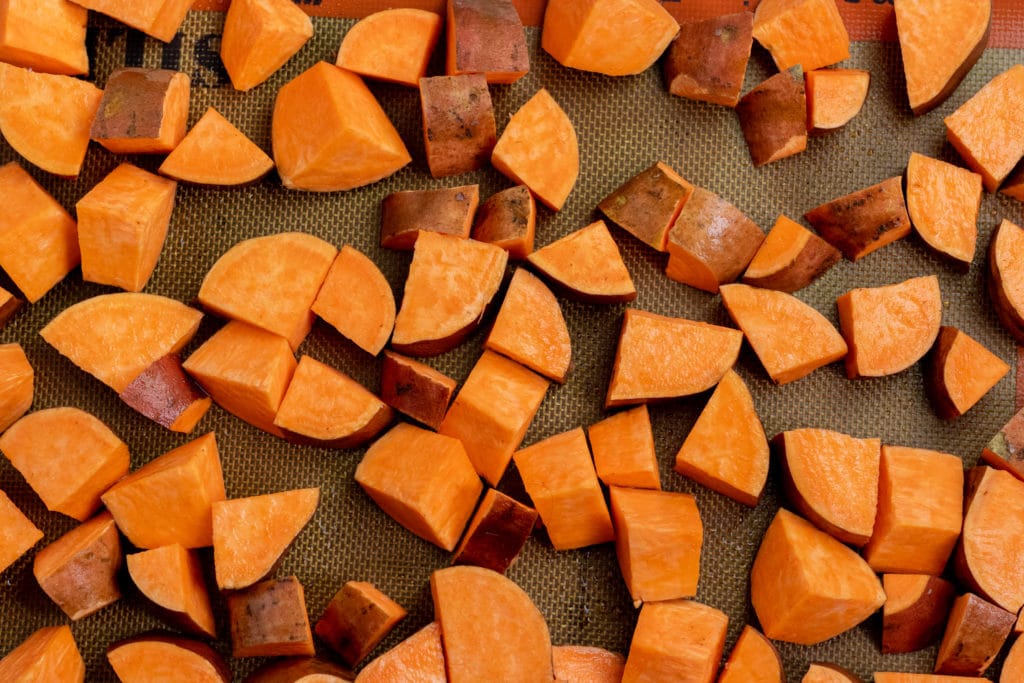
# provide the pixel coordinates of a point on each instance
(834, 97)
(586, 265)
(1006, 277)
(144, 111)
(356, 299)
(916, 609)
(459, 131)
(47, 118)
(959, 372)
(499, 529)
(17, 533)
(623, 448)
(490, 628)
(648, 204)
(558, 474)
(49, 654)
(251, 535)
(509, 219)
(419, 658)
(157, 18)
(790, 258)
(1013, 665)
(168, 396)
(78, 571)
(897, 677)
(17, 384)
(753, 659)
(863, 221)
(215, 152)
(828, 673)
(415, 389)
(707, 61)
(446, 210)
(391, 45)
(115, 337)
(810, 33)
(159, 657)
(676, 640)
(943, 202)
(300, 670)
(270, 620)
(358, 617)
(586, 664)
(486, 36)
(171, 577)
(47, 36)
(259, 37)
(9, 305)
(974, 635)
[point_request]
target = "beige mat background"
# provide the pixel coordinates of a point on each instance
(624, 125)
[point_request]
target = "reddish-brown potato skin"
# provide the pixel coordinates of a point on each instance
(647, 205)
(269, 619)
(494, 540)
(486, 36)
(863, 221)
(974, 636)
(773, 117)
(408, 388)
(459, 130)
(448, 211)
(1011, 318)
(812, 262)
(920, 624)
(163, 391)
(708, 59)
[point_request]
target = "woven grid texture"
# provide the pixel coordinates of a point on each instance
(623, 125)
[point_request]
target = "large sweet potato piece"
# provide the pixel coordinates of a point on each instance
(486, 36)
(215, 152)
(498, 531)
(447, 210)
(863, 221)
(1006, 277)
(623, 448)
(356, 299)
(810, 33)
(358, 617)
(259, 37)
(790, 258)
(157, 18)
(459, 130)
(916, 608)
(157, 657)
(418, 658)
(974, 635)
(17, 384)
(143, 111)
(171, 577)
(393, 44)
(45, 35)
(943, 202)
(17, 533)
(676, 640)
(49, 654)
(270, 620)
(707, 61)
(753, 659)
(648, 204)
(959, 371)
(773, 117)
(79, 570)
(586, 265)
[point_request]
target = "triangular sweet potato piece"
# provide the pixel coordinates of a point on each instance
(356, 299)
(146, 656)
(391, 45)
(586, 265)
(259, 37)
(834, 97)
(959, 371)
(790, 258)
(943, 201)
(48, 654)
(419, 657)
(172, 578)
(215, 152)
(17, 533)
(753, 659)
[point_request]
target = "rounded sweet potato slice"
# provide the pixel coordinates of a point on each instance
(161, 657)
(753, 659)
(1006, 277)
(586, 664)
(215, 152)
(356, 299)
(49, 654)
(418, 658)
(959, 372)
(790, 258)
(586, 265)
(834, 97)
(943, 201)
(391, 45)
(171, 577)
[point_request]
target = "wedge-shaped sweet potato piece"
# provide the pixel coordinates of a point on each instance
(658, 538)
(356, 299)
(508, 219)
(143, 111)
(215, 152)
(17, 384)
(834, 97)
(415, 390)
(419, 658)
(943, 202)
(707, 61)
(157, 18)
(661, 358)
(259, 37)
(486, 36)
(300, 670)
(558, 474)
(916, 608)
(711, 242)
(540, 124)
(251, 535)
(188, 480)
(676, 640)
(648, 204)
(459, 131)
(863, 221)
(726, 449)
(270, 282)
(156, 657)
(577, 33)
(115, 337)
(828, 673)
(448, 210)
(1006, 277)
(168, 396)
(806, 32)
(17, 533)
(623, 449)
(329, 133)
(68, 457)
(433, 501)
(270, 620)
(959, 372)
(790, 258)
(78, 571)
(490, 627)
(586, 664)
(753, 659)
(358, 617)
(773, 117)
(171, 577)
(45, 35)
(889, 328)
(38, 237)
(1013, 664)
(49, 654)
(393, 44)
(450, 283)
(974, 635)
(806, 586)
(46, 118)
(1006, 449)
(832, 479)
(790, 338)
(498, 531)
(586, 265)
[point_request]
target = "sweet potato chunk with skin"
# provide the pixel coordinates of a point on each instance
(676, 640)
(143, 111)
(1006, 277)
(1006, 449)
(356, 299)
(586, 265)
(187, 480)
(943, 202)
(358, 617)
(707, 61)
(1013, 665)
(895, 677)
(259, 37)
(486, 36)
(157, 18)
(158, 657)
(623, 448)
(539, 149)
(215, 152)
(415, 390)
(508, 219)
(834, 97)
(329, 133)
(959, 372)
(806, 586)
(828, 673)
(863, 221)
(648, 204)
(115, 337)
(171, 577)
(168, 396)
(251, 535)
(974, 636)
(916, 608)
(558, 474)
(711, 242)
(17, 533)
(585, 664)
(753, 659)
(391, 45)
(726, 450)
(459, 130)
(773, 117)
(806, 32)
(498, 531)
(300, 670)
(68, 457)
(418, 658)
(45, 35)
(490, 627)
(9, 305)
(448, 211)
(270, 620)
(79, 570)
(790, 258)
(889, 328)
(49, 654)
(17, 382)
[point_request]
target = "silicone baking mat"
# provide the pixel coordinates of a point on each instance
(624, 125)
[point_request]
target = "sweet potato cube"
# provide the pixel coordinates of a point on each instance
(415, 390)
(508, 219)
(44, 35)
(459, 131)
(773, 117)
(959, 372)
(157, 18)
(676, 640)
(143, 111)
(586, 265)
(154, 656)
(270, 620)
(433, 498)
(187, 480)
(790, 258)
(753, 658)
(707, 61)
(1006, 448)
(974, 636)
(168, 396)
(498, 531)
(863, 221)
(17, 533)
(68, 457)
(79, 570)
(215, 152)
(943, 202)
(17, 382)
(623, 448)
(259, 37)
(916, 608)
(393, 44)
(834, 97)
(358, 617)
(574, 663)
(251, 535)
(806, 32)
(38, 238)
(658, 538)
(1006, 277)
(171, 577)
(486, 36)
(48, 654)
(448, 211)
(356, 299)
(419, 656)
(648, 204)
(559, 477)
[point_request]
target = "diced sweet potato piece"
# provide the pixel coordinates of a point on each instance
(46, 118)
(270, 620)
(577, 34)
(168, 396)
(358, 617)
(154, 657)
(974, 636)
(790, 338)
(889, 328)
(433, 501)
(676, 640)
(661, 358)
(558, 474)
(943, 202)
(586, 265)
(1013, 665)
(508, 219)
(490, 628)
(9, 305)
(79, 570)
(959, 372)
(623, 448)
(1013, 186)
(447, 210)
(863, 221)
(38, 238)
(68, 457)
(790, 258)
(300, 670)
(251, 535)
(459, 130)
(648, 204)
(393, 44)
(259, 37)
(806, 586)
(49, 654)
(44, 35)
(329, 133)
(450, 283)
(806, 32)
(773, 116)
(753, 659)
(486, 36)
(17, 534)
(498, 531)
(115, 337)
(143, 111)
(1006, 277)
(658, 537)
(828, 673)
(540, 124)
(1006, 449)
(916, 608)
(726, 449)
(834, 97)
(415, 390)
(356, 299)
(711, 242)
(215, 152)
(171, 577)
(585, 664)
(896, 677)
(157, 18)
(708, 59)
(187, 480)
(418, 658)
(17, 384)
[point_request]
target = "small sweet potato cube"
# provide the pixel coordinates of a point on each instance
(17, 533)
(171, 577)
(676, 640)
(356, 299)
(48, 654)
(974, 635)
(834, 97)
(809, 33)
(753, 658)
(44, 35)
(959, 372)
(420, 656)
(863, 221)
(486, 36)
(157, 18)
(17, 384)
(915, 611)
(270, 620)
(215, 152)
(79, 570)
(1006, 277)
(508, 219)
(773, 117)
(1006, 448)
(498, 531)
(259, 37)
(393, 45)
(648, 204)
(447, 210)
(168, 396)
(585, 663)
(707, 61)
(358, 617)
(143, 111)
(790, 258)
(415, 390)
(459, 131)
(586, 265)
(623, 448)
(147, 656)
